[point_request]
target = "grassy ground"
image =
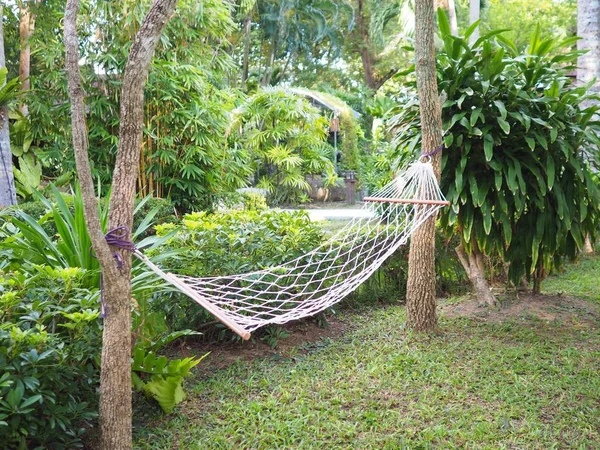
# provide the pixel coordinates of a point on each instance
(521, 383)
(579, 280)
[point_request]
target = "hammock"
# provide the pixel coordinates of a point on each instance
(317, 280)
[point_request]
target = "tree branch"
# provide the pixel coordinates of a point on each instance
(381, 80)
(132, 112)
(80, 138)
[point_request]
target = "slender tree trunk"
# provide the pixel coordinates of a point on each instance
(8, 193)
(452, 16)
(364, 43)
(420, 289)
(474, 266)
(474, 14)
(26, 28)
(115, 378)
(588, 65)
(247, 28)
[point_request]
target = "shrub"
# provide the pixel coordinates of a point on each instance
(223, 243)
(49, 357)
(513, 169)
(286, 139)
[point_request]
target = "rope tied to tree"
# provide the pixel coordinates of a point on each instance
(117, 238)
(435, 151)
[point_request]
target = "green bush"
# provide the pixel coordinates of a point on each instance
(224, 243)
(49, 358)
(514, 168)
(162, 209)
(286, 139)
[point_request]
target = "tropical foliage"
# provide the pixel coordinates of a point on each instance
(518, 142)
(286, 138)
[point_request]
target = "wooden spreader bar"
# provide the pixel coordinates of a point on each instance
(406, 200)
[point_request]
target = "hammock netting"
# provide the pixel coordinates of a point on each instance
(317, 280)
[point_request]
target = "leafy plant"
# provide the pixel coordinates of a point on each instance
(27, 239)
(223, 243)
(286, 140)
(272, 335)
(160, 378)
(10, 89)
(514, 168)
(49, 352)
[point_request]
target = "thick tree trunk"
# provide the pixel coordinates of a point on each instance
(588, 29)
(452, 17)
(115, 382)
(474, 266)
(8, 193)
(420, 289)
(474, 15)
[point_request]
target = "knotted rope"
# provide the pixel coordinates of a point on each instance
(433, 152)
(116, 238)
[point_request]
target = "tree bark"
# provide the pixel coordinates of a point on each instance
(115, 378)
(452, 17)
(8, 193)
(588, 247)
(588, 64)
(474, 266)
(588, 29)
(26, 28)
(364, 43)
(474, 15)
(420, 289)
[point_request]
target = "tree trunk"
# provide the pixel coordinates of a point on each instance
(26, 27)
(474, 14)
(364, 43)
(452, 16)
(473, 265)
(588, 248)
(420, 289)
(115, 379)
(588, 29)
(8, 193)
(247, 27)
(588, 65)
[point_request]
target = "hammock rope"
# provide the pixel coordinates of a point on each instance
(317, 280)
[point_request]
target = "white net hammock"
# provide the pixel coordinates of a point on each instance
(317, 280)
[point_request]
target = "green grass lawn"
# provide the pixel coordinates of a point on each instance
(579, 280)
(519, 384)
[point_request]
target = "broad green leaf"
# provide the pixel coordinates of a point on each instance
(550, 171)
(531, 142)
(503, 124)
(500, 105)
(488, 147)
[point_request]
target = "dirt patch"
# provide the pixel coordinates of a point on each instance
(548, 308)
(301, 336)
